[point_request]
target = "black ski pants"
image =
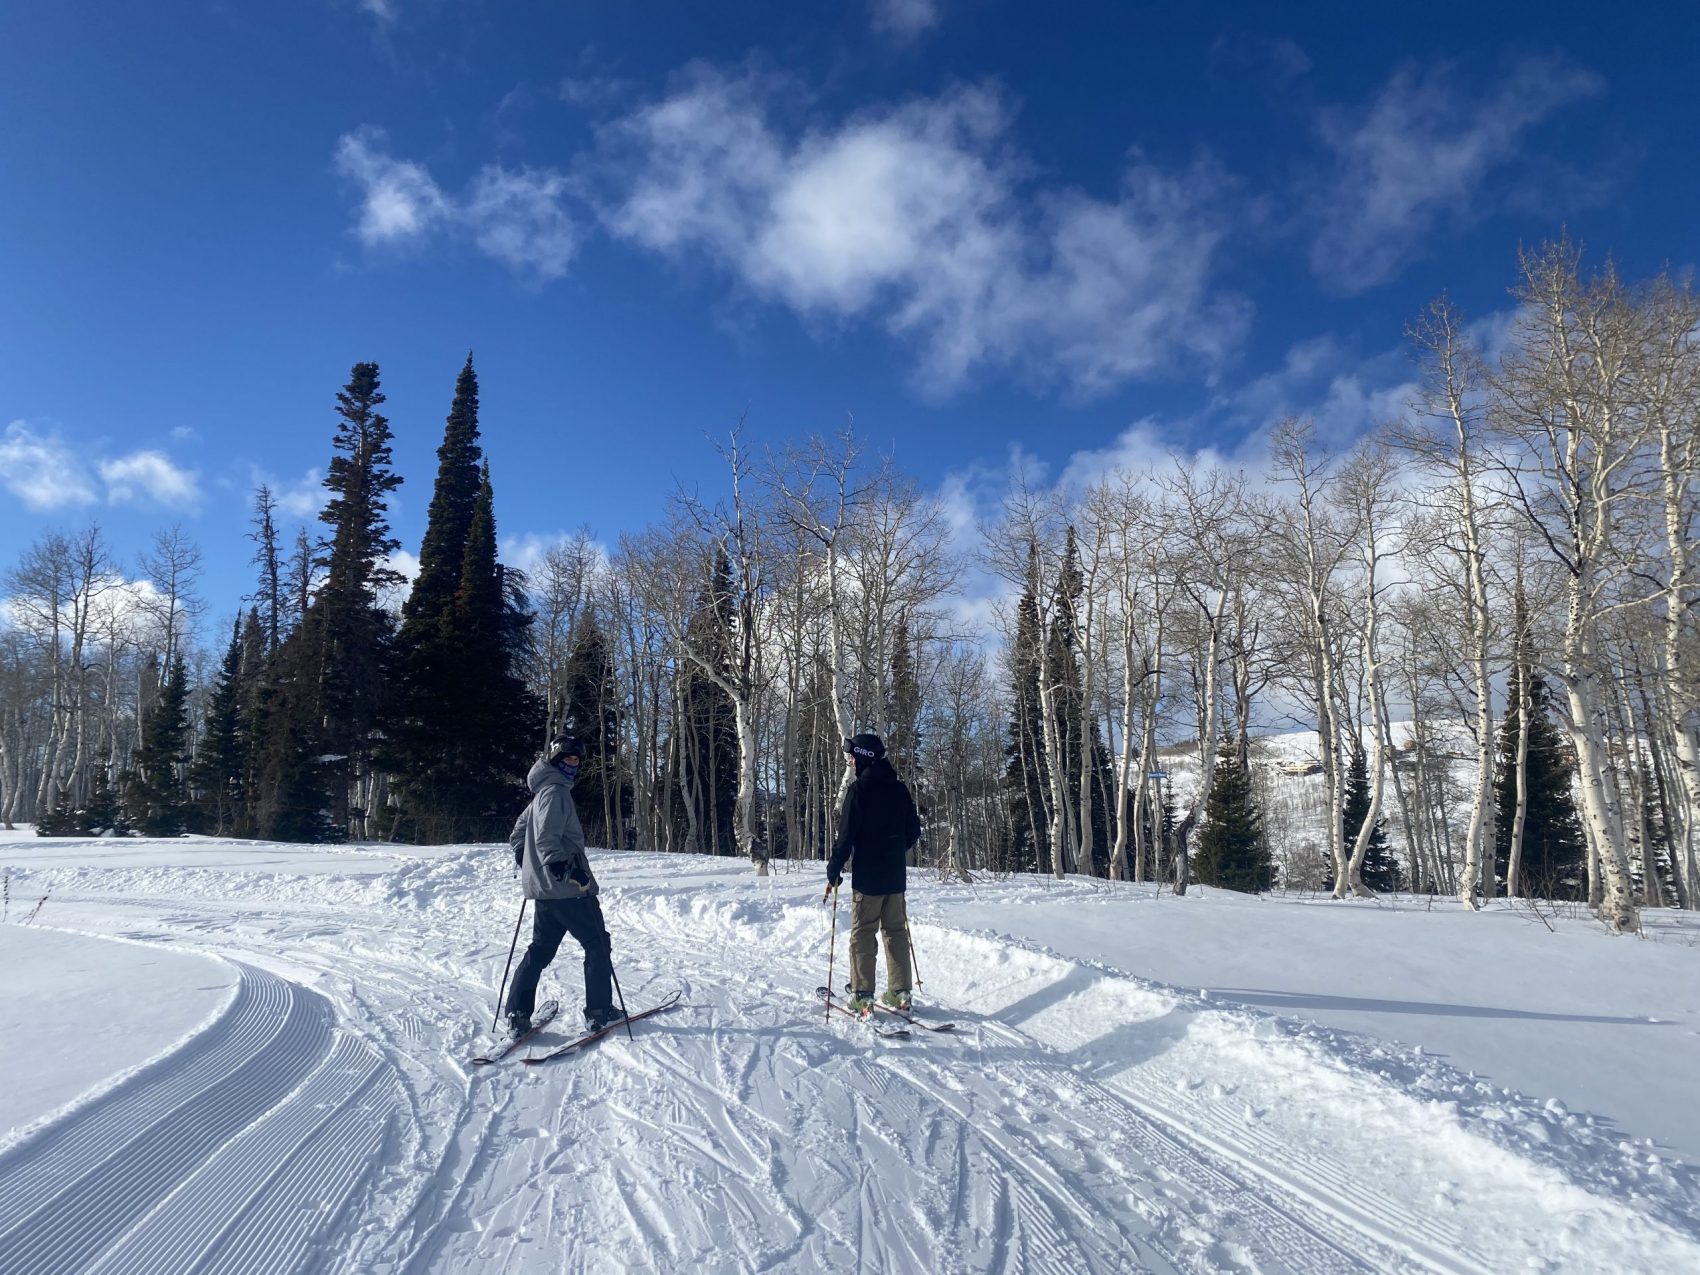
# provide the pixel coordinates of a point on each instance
(552, 920)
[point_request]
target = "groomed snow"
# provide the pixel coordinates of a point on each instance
(1108, 1101)
(76, 1011)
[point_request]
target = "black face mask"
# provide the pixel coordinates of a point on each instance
(569, 769)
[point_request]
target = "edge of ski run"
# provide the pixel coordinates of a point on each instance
(591, 1037)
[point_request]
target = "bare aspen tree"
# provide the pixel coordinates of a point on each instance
(1096, 524)
(173, 566)
(1137, 562)
(735, 529)
(1315, 554)
(561, 586)
(1365, 488)
(818, 495)
(1568, 400)
(1671, 385)
(1447, 436)
(1212, 536)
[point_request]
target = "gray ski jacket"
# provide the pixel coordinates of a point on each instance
(548, 841)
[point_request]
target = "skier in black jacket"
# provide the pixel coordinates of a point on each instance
(876, 827)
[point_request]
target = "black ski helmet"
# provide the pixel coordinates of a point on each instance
(865, 747)
(565, 745)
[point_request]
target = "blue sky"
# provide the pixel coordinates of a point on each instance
(1077, 232)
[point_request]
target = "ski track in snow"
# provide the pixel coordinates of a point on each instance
(1078, 1120)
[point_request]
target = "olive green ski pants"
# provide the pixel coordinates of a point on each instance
(886, 913)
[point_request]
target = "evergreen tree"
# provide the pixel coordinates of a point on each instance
(220, 768)
(103, 814)
(448, 522)
(1068, 695)
(1381, 871)
(707, 729)
(589, 711)
(1232, 852)
(326, 698)
(154, 788)
(463, 726)
(351, 629)
(1553, 857)
(1025, 774)
(904, 710)
(64, 820)
(501, 718)
(291, 796)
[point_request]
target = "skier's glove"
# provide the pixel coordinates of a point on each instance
(833, 880)
(581, 874)
(558, 870)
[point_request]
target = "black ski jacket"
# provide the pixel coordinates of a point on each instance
(875, 830)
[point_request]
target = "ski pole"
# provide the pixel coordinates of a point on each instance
(831, 950)
(621, 995)
(914, 965)
(512, 947)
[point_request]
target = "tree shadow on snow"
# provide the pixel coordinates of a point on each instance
(1279, 1000)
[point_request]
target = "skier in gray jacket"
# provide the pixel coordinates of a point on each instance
(548, 846)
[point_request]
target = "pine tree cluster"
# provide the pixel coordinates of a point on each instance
(328, 720)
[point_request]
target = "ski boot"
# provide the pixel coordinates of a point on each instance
(860, 1003)
(597, 1019)
(896, 998)
(518, 1025)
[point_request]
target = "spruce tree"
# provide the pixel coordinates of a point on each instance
(324, 705)
(501, 718)
(220, 768)
(1232, 852)
(448, 522)
(154, 792)
(589, 711)
(1381, 871)
(291, 797)
(1553, 855)
(463, 725)
(351, 630)
(1025, 775)
(103, 814)
(64, 820)
(904, 709)
(707, 730)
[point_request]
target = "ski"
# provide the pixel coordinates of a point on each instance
(906, 1017)
(913, 1021)
(591, 1037)
(542, 1019)
(890, 1033)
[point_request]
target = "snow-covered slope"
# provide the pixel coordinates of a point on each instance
(316, 1111)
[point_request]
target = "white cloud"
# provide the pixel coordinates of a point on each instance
(300, 499)
(383, 10)
(917, 215)
(1420, 154)
(41, 470)
(399, 200)
(903, 20)
(517, 216)
(151, 474)
(525, 552)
